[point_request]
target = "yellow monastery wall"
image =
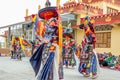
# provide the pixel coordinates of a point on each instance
(79, 35)
(115, 40)
(82, 15)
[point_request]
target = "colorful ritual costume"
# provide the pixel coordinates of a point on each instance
(69, 48)
(45, 61)
(88, 58)
(18, 45)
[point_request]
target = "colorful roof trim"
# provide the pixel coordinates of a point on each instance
(73, 6)
(116, 2)
(105, 19)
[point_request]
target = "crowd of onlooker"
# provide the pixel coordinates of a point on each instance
(109, 60)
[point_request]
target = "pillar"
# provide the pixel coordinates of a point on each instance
(39, 7)
(8, 41)
(78, 19)
(26, 12)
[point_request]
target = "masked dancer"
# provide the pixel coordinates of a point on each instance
(45, 61)
(69, 48)
(88, 58)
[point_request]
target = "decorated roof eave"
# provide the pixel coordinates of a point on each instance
(112, 24)
(113, 2)
(108, 19)
(73, 6)
(107, 23)
(112, 18)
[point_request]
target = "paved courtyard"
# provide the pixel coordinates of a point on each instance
(22, 70)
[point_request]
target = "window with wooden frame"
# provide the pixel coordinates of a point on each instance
(103, 40)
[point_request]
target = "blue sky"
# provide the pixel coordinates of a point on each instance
(13, 11)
